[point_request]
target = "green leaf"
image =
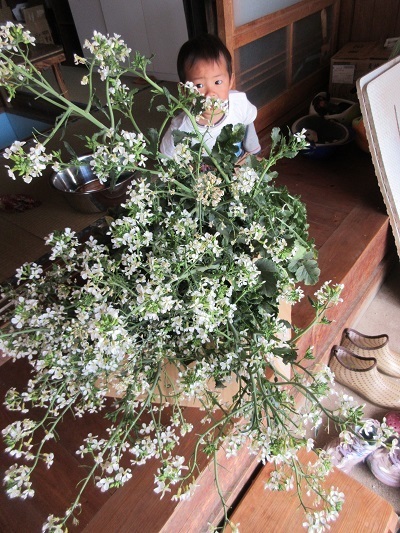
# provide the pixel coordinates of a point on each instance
(70, 150)
(275, 136)
(301, 252)
(167, 94)
(153, 141)
(180, 136)
(290, 154)
(288, 355)
(308, 272)
(267, 270)
(265, 266)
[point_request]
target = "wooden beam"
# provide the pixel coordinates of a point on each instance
(275, 21)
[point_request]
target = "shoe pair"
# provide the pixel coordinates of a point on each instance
(377, 346)
(366, 365)
(383, 462)
(355, 447)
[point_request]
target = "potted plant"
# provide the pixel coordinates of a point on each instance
(186, 276)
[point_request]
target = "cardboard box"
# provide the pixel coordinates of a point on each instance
(351, 63)
(36, 23)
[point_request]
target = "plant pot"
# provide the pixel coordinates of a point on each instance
(85, 193)
(324, 135)
(343, 111)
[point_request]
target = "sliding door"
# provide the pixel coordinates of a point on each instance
(280, 57)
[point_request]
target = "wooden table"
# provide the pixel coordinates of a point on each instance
(44, 56)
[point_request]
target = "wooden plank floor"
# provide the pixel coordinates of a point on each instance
(350, 227)
(363, 510)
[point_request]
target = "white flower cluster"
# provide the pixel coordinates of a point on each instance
(213, 104)
(109, 52)
(182, 155)
(290, 293)
(123, 152)
(207, 189)
(32, 163)
(243, 181)
(176, 300)
(329, 292)
(12, 35)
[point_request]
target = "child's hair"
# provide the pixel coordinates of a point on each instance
(204, 47)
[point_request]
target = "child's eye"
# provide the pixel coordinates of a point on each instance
(218, 82)
(199, 85)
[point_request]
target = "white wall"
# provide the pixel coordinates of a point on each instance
(150, 26)
(88, 16)
(155, 26)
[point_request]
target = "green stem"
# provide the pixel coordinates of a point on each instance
(320, 313)
(55, 98)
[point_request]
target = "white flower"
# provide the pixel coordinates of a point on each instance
(207, 189)
(301, 135)
(104, 484)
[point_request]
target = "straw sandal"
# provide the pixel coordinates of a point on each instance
(361, 375)
(376, 346)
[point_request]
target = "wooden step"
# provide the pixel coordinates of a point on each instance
(350, 227)
(261, 510)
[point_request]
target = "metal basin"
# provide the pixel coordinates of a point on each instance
(84, 192)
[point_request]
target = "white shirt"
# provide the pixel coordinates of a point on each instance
(240, 111)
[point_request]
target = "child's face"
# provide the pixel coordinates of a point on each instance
(211, 78)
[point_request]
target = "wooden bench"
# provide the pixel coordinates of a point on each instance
(44, 56)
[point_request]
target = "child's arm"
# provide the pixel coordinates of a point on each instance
(251, 144)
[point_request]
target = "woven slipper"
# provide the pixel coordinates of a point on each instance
(361, 375)
(376, 346)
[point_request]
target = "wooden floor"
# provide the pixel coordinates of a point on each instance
(351, 230)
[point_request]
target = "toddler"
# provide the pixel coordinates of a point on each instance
(206, 62)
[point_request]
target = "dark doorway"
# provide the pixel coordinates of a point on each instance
(201, 17)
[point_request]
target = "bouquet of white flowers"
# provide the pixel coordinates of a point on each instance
(187, 275)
